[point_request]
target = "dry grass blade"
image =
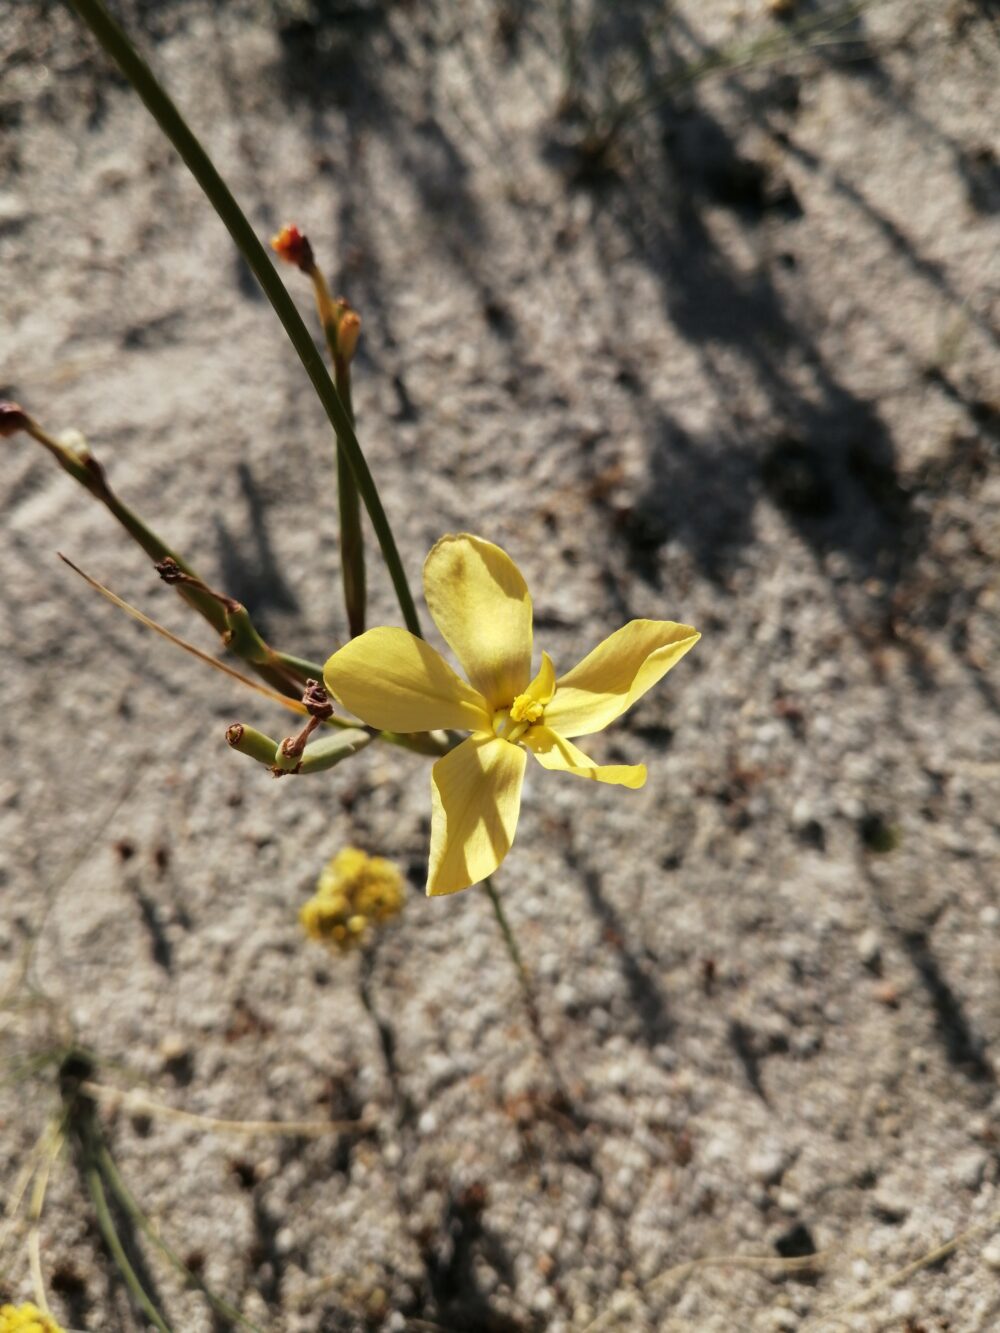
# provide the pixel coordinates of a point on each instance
(925, 1261)
(139, 1102)
(53, 1148)
(175, 639)
(679, 1272)
(12, 1205)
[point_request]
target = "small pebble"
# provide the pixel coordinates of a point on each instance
(903, 1303)
(887, 993)
(869, 948)
(665, 1056)
(969, 1169)
(891, 1202)
(768, 1163)
(783, 1321)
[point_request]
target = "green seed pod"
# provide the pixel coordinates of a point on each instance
(329, 750)
(250, 741)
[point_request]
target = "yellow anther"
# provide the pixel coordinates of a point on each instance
(526, 709)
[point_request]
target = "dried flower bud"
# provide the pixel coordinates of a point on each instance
(169, 570)
(317, 701)
(294, 248)
(347, 334)
(288, 756)
(12, 418)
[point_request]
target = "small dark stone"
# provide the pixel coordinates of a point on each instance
(796, 1242)
(877, 834)
(244, 1172)
(812, 834)
(68, 1282)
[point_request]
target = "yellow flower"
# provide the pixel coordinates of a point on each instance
(26, 1319)
(353, 891)
(480, 603)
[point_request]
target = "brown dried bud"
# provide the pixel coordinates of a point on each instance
(170, 571)
(12, 418)
(317, 701)
(288, 756)
(294, 248)
(234, 733)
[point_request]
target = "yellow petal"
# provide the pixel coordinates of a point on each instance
(543, 687)
(393, 680)
(476, 794)
(480, 603)
(555, 751)
(618, 671)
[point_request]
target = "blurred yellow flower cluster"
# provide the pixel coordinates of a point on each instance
(353, 892)
(26, 1319)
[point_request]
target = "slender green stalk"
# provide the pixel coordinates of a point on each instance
(172, 123)
(125, 1197)
(510, 940)
(95, 1186)
(352, 542)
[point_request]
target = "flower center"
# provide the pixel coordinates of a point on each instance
(511, 723)
(525, 708)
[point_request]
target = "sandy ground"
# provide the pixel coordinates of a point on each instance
(740, 369)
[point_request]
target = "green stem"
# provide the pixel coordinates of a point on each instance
(352, 542)
(172, 123)
(95, 1185)
(308, 670)
(124, 1196)
(510, 940)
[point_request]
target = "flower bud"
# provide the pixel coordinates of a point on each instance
(294, 248)
(347, 334)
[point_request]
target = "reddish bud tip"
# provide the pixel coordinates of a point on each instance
(294, 248)
(12, 418)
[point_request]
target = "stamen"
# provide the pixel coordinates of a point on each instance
(526, 708)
